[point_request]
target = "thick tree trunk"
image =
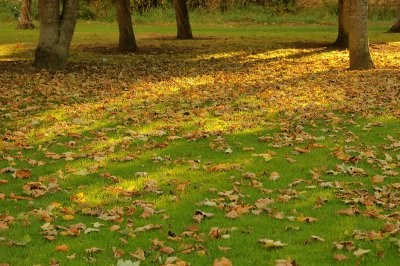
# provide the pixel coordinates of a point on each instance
(127, 41)
(182, 20)
(25, 19)
(56, 31)
(396, 27)
(342, 40)
(360, 58)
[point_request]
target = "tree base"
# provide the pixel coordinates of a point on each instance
(53, 59)
(129, 47)
(362, 64)
(342, 43)
(394, 29)
(184, 36)
(26, 26)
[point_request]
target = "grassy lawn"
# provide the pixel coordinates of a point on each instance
(200, 149)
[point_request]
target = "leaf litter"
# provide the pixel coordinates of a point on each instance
(79, 124)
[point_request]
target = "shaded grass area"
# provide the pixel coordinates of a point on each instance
(196, 116)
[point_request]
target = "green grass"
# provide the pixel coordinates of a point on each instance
(226, 89)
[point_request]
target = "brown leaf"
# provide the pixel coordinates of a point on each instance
(376, 179)
(199, 215)
(232, 214)
(287, 262)
(263, 203)
(301, 150)
(114, 228)
(22, 173)
(3, 226)
(118, 253)
(249, 175)
(138, 254)
(93, 250)
(167, 250)
(62, 248)
(50, 238)
(148, 227)
(222, 167)
(147, 212)
(340, 257)
(274, 176)
(222, 262)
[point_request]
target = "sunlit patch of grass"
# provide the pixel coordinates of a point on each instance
(177, 109)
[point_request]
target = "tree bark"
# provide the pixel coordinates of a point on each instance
(127, 41)
(360, 57)
(56, 31)
(182, 20)
(396, 27)
(342, 40)
(25, 19)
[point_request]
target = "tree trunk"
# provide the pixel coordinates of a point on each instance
(182, 20)
(56, 31)
(127, 41)
(342, 40)
(360, 58)
(396, 27)
(25, 19)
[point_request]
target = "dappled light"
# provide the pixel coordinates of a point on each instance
(248, 145)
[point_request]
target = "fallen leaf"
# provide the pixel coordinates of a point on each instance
(62, 248)
(114, 228)
(232, 214)
(359, 252)
(72, 256)
(340, 257)
(285, 262)
(274, 176)
(138, 254)
(148, 227)
(376, 179)
(222, 262)
(93, 250)
(22, 173)
(270, 244)
(167, 250)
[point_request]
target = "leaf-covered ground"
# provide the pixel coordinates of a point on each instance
(218, 151)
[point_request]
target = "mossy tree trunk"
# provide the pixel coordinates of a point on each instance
(182, 20)
(360, 57)
(127, 40)
(56, 31)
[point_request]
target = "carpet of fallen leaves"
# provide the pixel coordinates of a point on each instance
(132, 124)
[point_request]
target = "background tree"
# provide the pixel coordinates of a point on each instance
(25, 19)
(360, 57)
(342, 40)
(396, 26)
(182, 20)
(127, 41)
(56, 31)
